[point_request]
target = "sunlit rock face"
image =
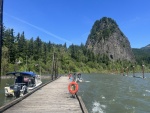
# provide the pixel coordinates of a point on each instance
(106, 38)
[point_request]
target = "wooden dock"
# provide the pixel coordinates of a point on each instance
(52, 98)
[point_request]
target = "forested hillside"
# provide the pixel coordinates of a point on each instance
(142, 55)
(22, 54)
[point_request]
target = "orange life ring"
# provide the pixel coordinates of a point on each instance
(73, 87)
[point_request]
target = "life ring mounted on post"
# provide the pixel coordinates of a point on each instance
(73, 87)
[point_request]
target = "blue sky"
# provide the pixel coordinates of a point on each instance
(70, 21)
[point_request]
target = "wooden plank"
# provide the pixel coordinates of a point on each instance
(52, 98)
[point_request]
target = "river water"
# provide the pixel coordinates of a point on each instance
(103, 93)
(108, 93)
(4, 83)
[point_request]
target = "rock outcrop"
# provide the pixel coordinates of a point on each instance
(106, 38)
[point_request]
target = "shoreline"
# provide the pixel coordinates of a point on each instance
(8, 77)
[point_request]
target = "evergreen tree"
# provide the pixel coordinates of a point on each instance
(22, 46)
(8, 41)
(37, 49)
(31, 48)
(71, 59)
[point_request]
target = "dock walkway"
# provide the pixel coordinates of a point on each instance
(52, 98)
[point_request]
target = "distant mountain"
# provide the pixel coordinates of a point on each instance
(141, 52)
(144, 51)
(146, 47)
(142, 55)
(107, 39)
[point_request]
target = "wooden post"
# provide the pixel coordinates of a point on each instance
(143, 70)
(40, 69)
(1, 32)
(53, 66)
(57, 67)
(123, 71)
(127, 69)
(133, 71)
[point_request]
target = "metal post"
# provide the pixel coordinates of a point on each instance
(1, 32)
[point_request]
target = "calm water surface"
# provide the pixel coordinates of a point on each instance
(104, 93)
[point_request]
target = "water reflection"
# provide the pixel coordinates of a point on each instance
(5, 82)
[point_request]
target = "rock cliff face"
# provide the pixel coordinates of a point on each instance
(106, 38)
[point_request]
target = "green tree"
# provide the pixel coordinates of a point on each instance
(8, 41)
(22, 46)
(5, 56)
(37, 49)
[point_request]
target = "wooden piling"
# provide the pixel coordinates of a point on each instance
(127, 70)
(143, 70)
(133, 71)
